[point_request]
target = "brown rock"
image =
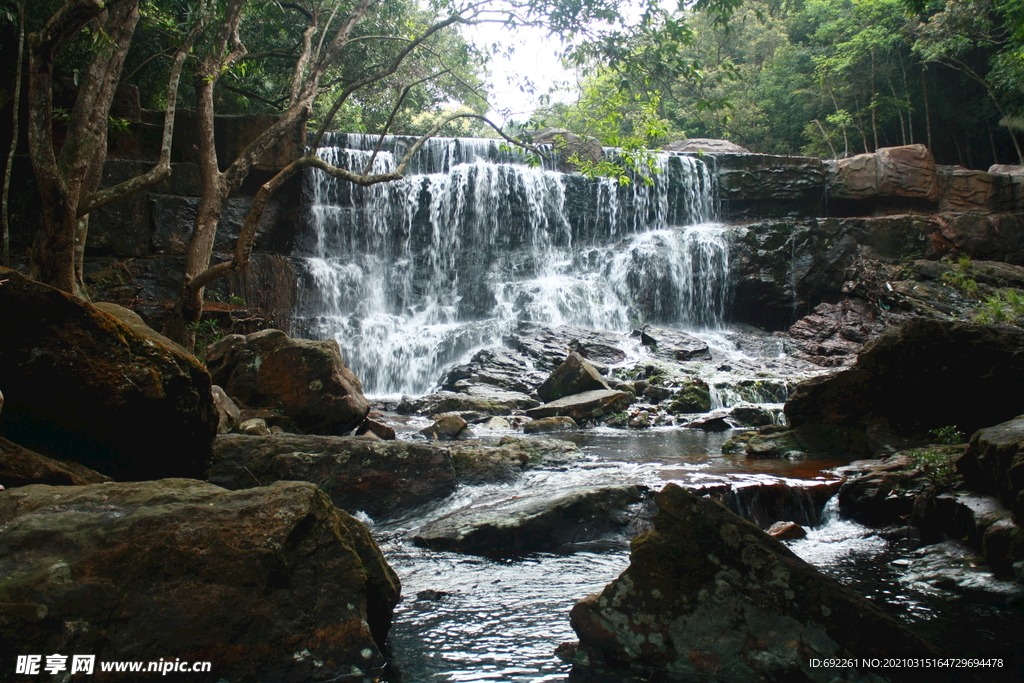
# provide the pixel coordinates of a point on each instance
(786, 531)
(549, 424)
(272, 583)
(375, 476)
(709, 596)
(965, 190)
(584, 406)
(84, 386)
(229, 414)
(377, 428)
(21, 467)
(907, 171)
(574, 376)
(304, 379)
(446, 427)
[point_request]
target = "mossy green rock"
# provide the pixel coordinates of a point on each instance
(693, 397)
(710, 597)
(247, 580)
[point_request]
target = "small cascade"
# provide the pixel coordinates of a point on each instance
(767, 503)
(413, 276)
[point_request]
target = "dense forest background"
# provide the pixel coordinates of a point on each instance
(831, 78)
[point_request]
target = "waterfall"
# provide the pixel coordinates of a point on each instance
(415, 275)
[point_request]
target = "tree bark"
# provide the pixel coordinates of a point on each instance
(15, 130)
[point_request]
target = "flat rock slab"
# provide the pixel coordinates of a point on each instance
(479, 398)
(548, 346)
(358, 473)
(531, 523)
(478, 463)
(585, 406)
(247, 580)
(710, 597)
(674, 345)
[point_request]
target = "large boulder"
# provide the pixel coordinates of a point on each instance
(920, 376)
(588, 405)
(272, 583)
(574, 376)
(907, 172)
(83, 386)
(528, 523)
(22, 467)
(358, 473)
(994, 464)
(304, 379)
(708, 596)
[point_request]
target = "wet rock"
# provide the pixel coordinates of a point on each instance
(673, 345)
(954, 567)
(229, 417)
(707, 145)
(376, 477)
(548, 346)
(497, 423)
(750, 415)
(532, 522)
(881, 492)
(445, 427)
(1003, 547)
(477, 463)
(377, 428)
(759, 185)
(694, 396)
(907, 171)
(994, 464)
(477, 398)
(709, 596)
(966, 190)
(503, 368)
(84, 386)
(304, 379)
(786, 531)
(835, 333)
(243, 579)
(767, 502)
(550, 424)
(588, 405)
(574, 376)
(712, 422)
(900, 386)
(22, 467)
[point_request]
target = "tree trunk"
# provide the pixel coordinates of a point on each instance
(65, 179)
(927, 108)
(15, 129)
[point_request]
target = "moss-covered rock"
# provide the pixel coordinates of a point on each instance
(694, 396)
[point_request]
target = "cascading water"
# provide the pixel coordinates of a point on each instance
(415, 275)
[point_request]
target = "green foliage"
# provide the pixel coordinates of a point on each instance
(1004, 306)
(947, 435)
(961, 277)
(938, 466)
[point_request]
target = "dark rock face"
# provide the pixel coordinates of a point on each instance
(247, 580)
(22, 467)
(358, 473)
(761, 185)
(531, 523)
(910, 381)
(304, 379)
(710, 597)
(881, 492)
(994, 464)
(83, 386)
(574, 376)
(548, 346)
(835, 333)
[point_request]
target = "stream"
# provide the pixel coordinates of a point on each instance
(469, 618)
